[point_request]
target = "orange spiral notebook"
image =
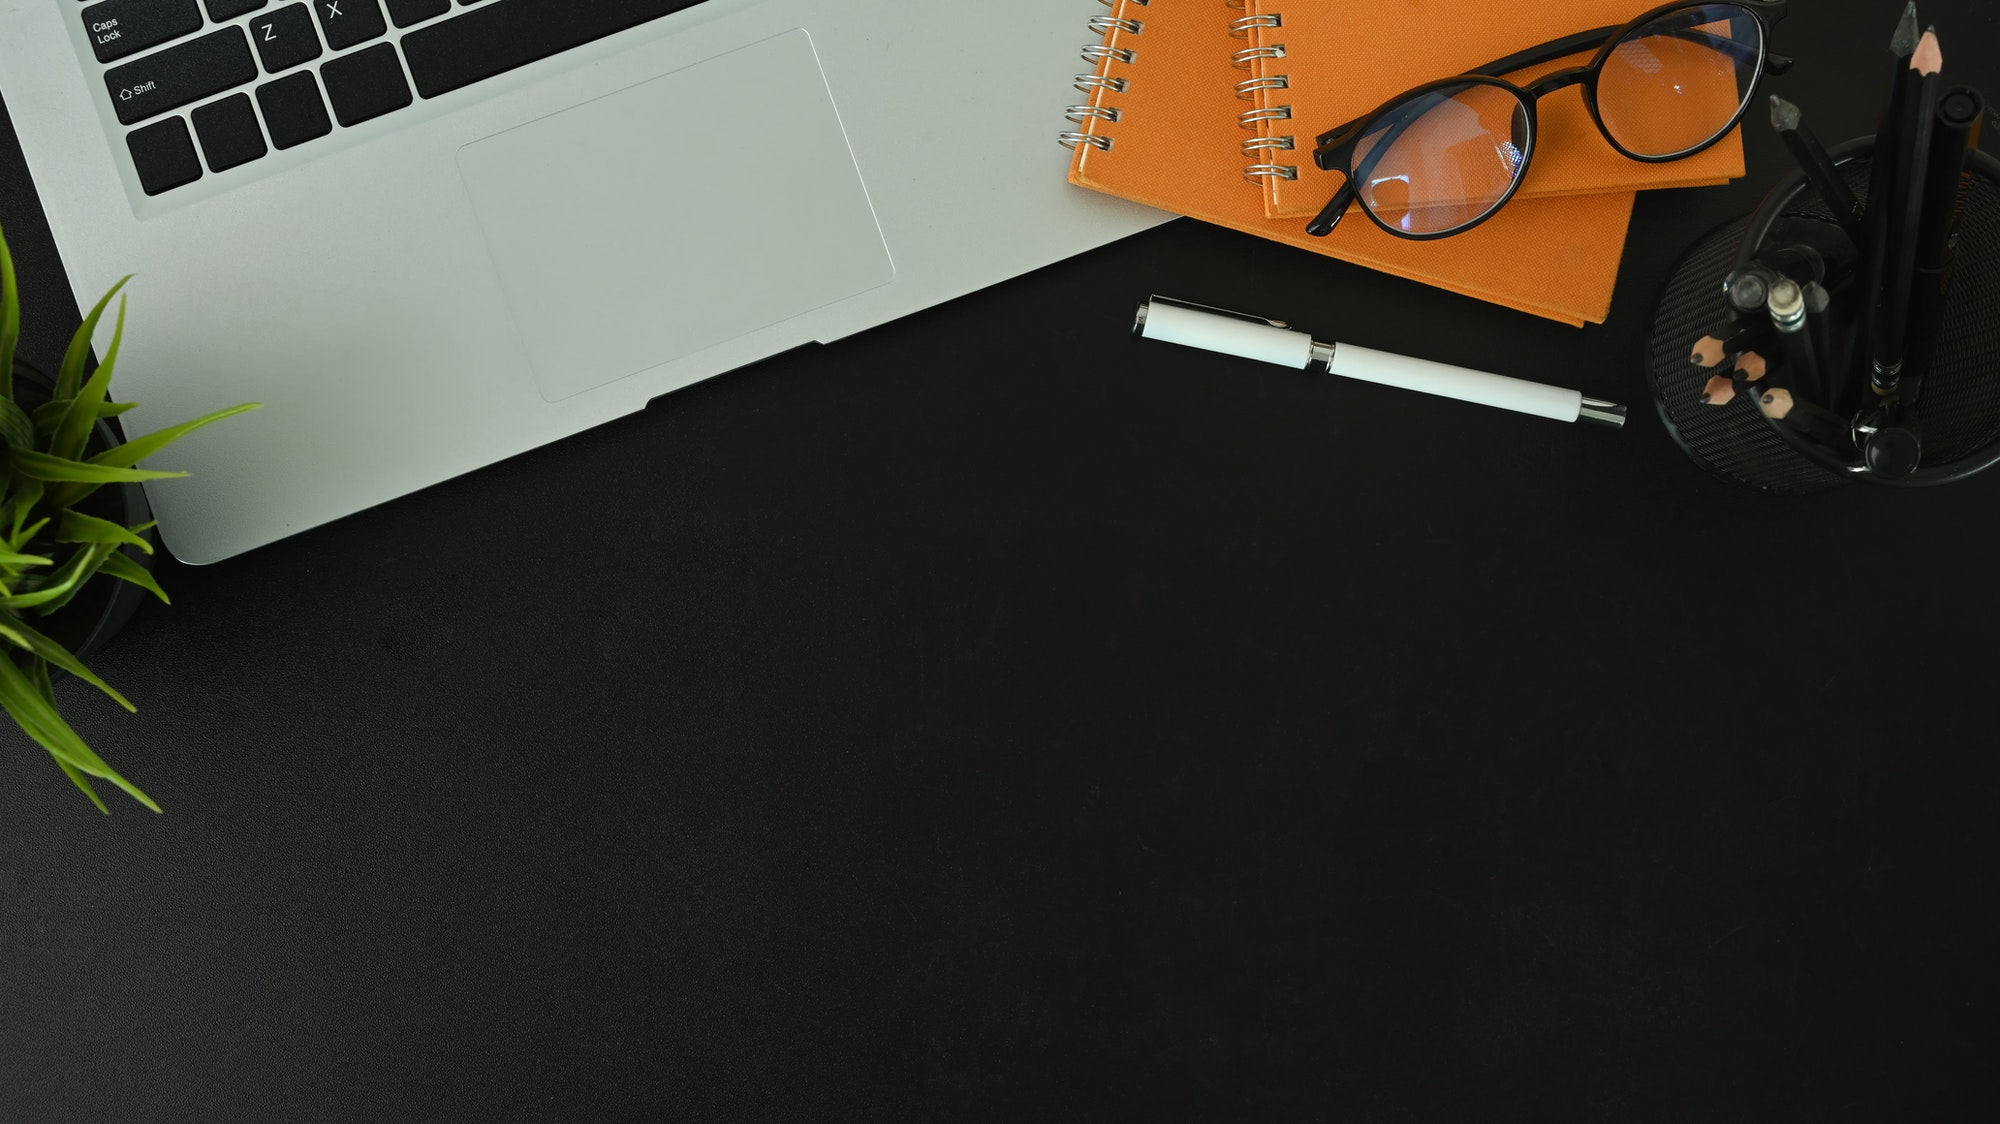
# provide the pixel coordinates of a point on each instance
(1312, 65)
(1160, 128)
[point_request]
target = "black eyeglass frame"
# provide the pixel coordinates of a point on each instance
(1333, 150)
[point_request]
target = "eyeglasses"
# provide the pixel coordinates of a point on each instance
(1441, 158)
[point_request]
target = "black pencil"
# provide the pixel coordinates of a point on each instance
(1788, 314)
(1751, 366)
(1819, 304)
(1818, 167)
(1710, 351)
(1954, 137)
(1899, 258)
(1821, 425)
(1882, 173)
(1901, 45)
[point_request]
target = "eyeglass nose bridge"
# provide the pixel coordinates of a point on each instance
(1561, 79)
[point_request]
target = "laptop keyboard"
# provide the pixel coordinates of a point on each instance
(291, 73)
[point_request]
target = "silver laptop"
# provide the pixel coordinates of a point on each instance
(430, 234)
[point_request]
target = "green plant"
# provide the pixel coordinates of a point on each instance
(50, 550)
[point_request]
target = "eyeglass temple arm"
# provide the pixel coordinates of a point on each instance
(1547, 52)
(1520, 60)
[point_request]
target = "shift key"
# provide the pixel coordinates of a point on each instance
(178, 75)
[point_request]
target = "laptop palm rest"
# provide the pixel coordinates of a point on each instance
(671, 216)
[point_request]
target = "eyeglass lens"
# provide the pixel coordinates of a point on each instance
(1675, 84)
(1442, 159)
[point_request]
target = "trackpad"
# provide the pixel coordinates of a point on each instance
(675, 215)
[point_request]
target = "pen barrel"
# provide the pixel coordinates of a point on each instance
(1250, 339)
(1461, 383)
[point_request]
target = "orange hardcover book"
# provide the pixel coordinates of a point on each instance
(1160, 128)
(1339, 59)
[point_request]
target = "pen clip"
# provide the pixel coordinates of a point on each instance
(1214, 311)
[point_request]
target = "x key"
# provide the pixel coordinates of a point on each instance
(347, 22)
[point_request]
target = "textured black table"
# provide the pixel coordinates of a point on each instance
(994, 717)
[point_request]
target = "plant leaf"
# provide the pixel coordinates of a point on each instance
(38, 674)
(52, 652)
(9, 558)
(88, 561)
(27, 493)
(132, 452)
(10, 320)
(37, 717)
(15, 424)
(46, 689)
(71, 375)
(113, 409)
(76, 777)
(42, 466)
(33, 529)
(78, 527)
(73, 431)
(48, 414)
(63, 584)
(123, 568)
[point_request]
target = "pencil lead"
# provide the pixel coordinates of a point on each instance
(1905, 39)
(1928, 58)
(1784, 115)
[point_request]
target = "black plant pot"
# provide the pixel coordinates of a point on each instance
(105, 603)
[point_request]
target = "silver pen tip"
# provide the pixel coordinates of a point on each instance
(1599, 412)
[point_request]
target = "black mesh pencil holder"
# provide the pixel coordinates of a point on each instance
(1960, 403)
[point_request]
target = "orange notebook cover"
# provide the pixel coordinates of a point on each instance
(1160, 129)
(1343, 58)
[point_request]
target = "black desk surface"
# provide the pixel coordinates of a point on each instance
(995, 717)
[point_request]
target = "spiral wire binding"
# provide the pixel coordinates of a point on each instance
(1258, 149)
(1098, 85)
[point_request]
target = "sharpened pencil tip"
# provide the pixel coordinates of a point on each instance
(1905, 39)
(1784, 115)
(1928, 58)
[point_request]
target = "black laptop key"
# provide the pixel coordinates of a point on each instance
(219, 10)
(124, 27)
(229, 133)
(499, 35)
(347, 22)
(180, 74)
(365, 84)
(285, 38)
(407, 12)
(163, 155)
(293, 110)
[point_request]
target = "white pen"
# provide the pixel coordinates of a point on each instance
(1273, 341)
